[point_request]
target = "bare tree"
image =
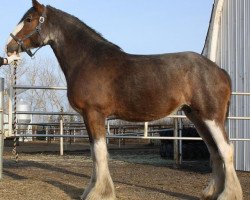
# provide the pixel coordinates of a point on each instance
(40, 72)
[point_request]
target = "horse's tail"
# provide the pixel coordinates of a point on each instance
(230, 85)
(228, 107)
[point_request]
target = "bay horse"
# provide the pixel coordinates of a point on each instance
(104, 81)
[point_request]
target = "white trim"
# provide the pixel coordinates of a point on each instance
(18, 28)
(213, 32)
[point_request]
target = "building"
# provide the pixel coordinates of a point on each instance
(228, 44)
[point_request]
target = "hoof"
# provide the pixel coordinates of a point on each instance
(99, 192)
(232, 189)
(87, 191)
(94, 196)
(231, 195)
(210, 192)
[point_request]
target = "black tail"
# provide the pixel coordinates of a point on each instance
(228, 106)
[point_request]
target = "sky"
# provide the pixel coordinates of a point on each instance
(137, 26)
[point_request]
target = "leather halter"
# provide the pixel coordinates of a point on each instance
(37, 30)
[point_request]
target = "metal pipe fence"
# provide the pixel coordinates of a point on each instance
(125, 137)
(76, 114)
(65, 88)
(122, 136)
(131, 135)
(1, 126)
(39, 87)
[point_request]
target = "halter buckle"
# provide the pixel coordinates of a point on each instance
(41, 19)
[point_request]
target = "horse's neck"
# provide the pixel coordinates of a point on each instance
(67, 50)
(74, 46)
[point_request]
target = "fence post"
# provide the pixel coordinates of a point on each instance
(146, 129)
(180, 142)
(1, 126)
(176, 142)
(108, 130)
(10, 104)
(61, 134)
(74, 133)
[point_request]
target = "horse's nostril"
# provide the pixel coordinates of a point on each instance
(10, 49)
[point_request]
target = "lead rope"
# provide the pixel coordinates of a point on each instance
(14, 151)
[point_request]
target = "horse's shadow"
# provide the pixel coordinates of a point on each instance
(72, 191)
(199, 166)
(28, 163)
(75, 193)
(169, 193)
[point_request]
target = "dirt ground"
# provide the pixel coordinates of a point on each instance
(138, 173)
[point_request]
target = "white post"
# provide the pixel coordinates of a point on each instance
(54, 131)
(61, 138)
(46, 133)
(1, 126)
(108, 130)
(146, 129)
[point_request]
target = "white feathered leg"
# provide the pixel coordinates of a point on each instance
(232, 188)
(101, 186)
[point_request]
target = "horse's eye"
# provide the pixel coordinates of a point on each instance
(28, 19)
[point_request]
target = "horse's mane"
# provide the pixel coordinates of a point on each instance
(81, 25)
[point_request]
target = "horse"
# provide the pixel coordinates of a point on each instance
(103, 81)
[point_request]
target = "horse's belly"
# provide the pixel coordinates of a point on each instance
(150, 110)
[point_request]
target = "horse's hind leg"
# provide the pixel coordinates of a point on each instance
(224, 184)
(232, 188)
(216, 184)
(101, 185)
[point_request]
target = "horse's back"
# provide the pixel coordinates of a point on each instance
(178, 72)
(153, 86)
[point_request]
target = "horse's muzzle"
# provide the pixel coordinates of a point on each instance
(12, 48)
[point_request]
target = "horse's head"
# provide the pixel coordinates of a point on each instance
(30, 31)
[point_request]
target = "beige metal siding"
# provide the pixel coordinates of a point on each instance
(233, 55)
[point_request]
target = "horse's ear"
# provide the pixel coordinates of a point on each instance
(39, 7)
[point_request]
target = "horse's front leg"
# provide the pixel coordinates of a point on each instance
(101, 186)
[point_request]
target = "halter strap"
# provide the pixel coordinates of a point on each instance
(37, 30)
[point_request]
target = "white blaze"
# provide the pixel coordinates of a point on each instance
(16, 31)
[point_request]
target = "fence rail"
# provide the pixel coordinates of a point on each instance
(241, 93)
(45, 113)
(124, 137)
(146, 134)
(65, 88)
(40, 87)
(77, 114)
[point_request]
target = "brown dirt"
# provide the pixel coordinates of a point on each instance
(138, 173)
